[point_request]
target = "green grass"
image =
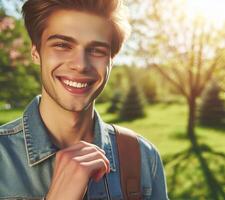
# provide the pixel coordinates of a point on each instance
(165, 126)
(190, 176)
(8, 115)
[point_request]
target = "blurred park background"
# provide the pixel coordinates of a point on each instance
(168, 84)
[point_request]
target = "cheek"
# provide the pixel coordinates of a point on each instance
(61, 55)
(52, 57)
(101, 65)
(51, 61)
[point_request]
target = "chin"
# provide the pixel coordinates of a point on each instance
(75, 108)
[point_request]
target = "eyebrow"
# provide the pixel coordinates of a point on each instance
(72, 40)
(62, 37)
(100, 44)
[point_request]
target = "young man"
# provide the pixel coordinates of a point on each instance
(60, 149)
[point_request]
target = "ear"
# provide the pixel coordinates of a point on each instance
(35, 55)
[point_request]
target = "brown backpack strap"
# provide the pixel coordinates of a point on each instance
(130, 163)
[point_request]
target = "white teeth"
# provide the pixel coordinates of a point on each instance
(75, 84)
(66, 82)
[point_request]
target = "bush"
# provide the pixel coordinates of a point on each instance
(149, 89)
(116, 101)
(212, 110)
(133, 105)
(19, 79)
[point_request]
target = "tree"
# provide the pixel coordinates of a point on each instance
(147, 82)
(132, 107)
(19, 80)
(184, 51)
(115, 101)
(133, 104)
(212, 110)
(188, 54)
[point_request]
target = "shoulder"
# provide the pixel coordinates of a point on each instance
(11, 140)
(150, 156)
(147, 147)
(146, 144)
(12, 127)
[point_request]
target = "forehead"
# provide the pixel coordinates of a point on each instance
(82, 26)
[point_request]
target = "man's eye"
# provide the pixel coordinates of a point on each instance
(62, 45)
(97, 52)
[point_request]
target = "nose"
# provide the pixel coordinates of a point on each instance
(79, 61)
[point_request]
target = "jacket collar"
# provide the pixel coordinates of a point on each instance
(102, 139)
(39, 145)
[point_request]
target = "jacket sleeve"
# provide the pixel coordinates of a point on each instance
(159, 188)
(153, 177)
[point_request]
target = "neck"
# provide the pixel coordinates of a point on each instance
(66, 127)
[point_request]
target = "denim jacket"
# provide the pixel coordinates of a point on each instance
(27, 157)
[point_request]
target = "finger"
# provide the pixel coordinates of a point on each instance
(97, 176)
(96, 168)
(92, 156)
(81, 145)
(89, 158)
(92, 145)
(63, 157)
(87, 150)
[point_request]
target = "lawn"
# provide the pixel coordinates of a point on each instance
(165, 126)
(191, 175)
(8, 115)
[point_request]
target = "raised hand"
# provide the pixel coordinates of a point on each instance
(74, 166)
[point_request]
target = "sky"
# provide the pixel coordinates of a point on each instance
(9, 7)
(212, 10)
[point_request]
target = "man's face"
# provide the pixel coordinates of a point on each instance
(75, 58)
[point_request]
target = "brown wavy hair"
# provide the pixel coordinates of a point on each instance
(36, 13)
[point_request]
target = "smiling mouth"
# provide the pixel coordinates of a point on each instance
(79, 86)
(75, 84)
